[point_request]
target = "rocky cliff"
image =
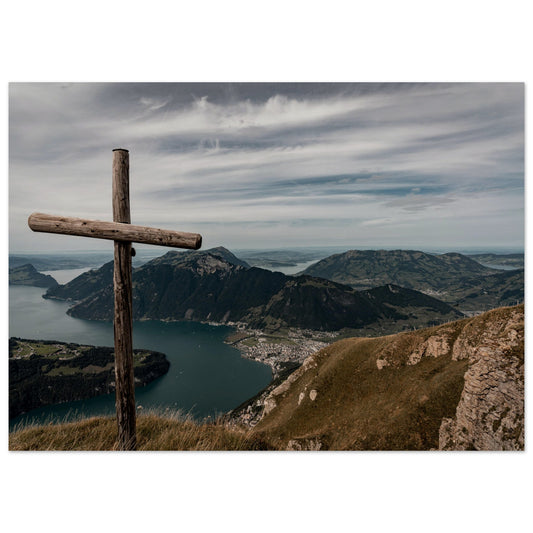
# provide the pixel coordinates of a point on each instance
(490, 414)
(453, 387)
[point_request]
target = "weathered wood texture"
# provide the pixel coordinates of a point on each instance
(115, 231)
(123, 233)
(123, 326)
(123, 322)
(121, 186)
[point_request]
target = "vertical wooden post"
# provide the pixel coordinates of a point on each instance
(125, 391)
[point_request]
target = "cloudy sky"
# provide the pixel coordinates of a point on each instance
(426, 166)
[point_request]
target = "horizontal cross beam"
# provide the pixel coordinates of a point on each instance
(115, 231)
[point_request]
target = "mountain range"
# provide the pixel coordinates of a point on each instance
(216, 286)
(452, 277)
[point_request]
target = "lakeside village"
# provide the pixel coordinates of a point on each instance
(276, 349)
(283, 350)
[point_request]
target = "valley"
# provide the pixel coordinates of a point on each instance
(283, 321)
(422, 390)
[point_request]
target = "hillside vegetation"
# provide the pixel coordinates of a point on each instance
(459, 386)
(363, 269)
(505, 288)
(214, 286)
(452, 277)
(28, 275)
(154, 432)
(456, 386)
(45, 372)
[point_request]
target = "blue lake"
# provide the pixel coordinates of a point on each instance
(206, 376)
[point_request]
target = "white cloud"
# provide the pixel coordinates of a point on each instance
(424, 160)
(153, 104)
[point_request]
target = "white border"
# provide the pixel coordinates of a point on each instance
(271, 41)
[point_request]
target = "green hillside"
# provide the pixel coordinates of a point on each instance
(452, 277)
(204, 286)
(28, 275)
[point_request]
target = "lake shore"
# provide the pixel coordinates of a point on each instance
(207, 377)
(279, 348)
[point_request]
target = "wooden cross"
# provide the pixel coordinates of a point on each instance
(123, 233)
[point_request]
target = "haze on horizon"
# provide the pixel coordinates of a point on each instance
(419, 166)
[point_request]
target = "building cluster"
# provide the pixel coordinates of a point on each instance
(295, 348)
(278, 352)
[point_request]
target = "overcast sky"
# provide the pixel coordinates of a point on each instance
(425, 166)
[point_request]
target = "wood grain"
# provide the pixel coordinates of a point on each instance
(115, 231)
(123, 320)
(123, 234)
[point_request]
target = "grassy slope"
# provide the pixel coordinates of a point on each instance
(357, 406)
(154, 432)
(360, 407)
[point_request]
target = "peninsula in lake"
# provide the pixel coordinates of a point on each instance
(48, 372)
(27, 274)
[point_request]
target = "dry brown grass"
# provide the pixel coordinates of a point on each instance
(359, 407)
(154, 432)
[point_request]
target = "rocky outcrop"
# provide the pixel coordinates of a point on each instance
(307, 445)
(435, 346)
(270, 402)
(490, 414)
(249, 413)
(459, 386)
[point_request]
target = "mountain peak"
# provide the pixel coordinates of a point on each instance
(228, 256)
(180, 257)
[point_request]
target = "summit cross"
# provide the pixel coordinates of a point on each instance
(123, 233)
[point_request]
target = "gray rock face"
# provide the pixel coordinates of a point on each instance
(490, 414)
(308, 445)
(271, 400)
